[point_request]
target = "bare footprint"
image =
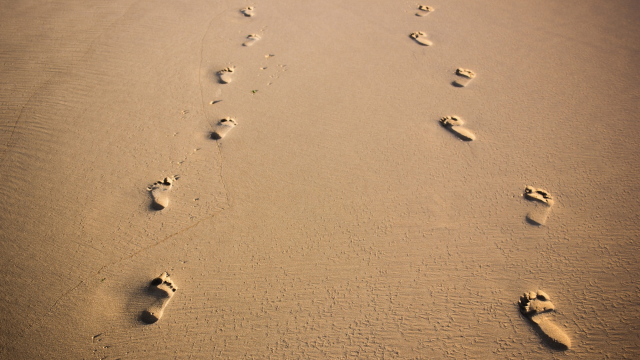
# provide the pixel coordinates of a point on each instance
(454, 124)
(535, 305)
(465, 76)
(539, 215)
(424, 10)
(421, 38)
(251, 39)
(160, 192)
(248, 11)
(223, 127)
(163, 289)
(225, 75)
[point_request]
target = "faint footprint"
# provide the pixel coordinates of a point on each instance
(424, 10)
(539, 215)
(465, 76)
(251, 39)
(160, 192)
(163, 289)
(223, 127)
(421, 38)
(454, 124)
(226, 74)
(534, 306)
(248, 11)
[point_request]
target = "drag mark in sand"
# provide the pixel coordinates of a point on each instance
(539, 215)
(421, 38)
(534, 305)
(454, 124)
(163, 289)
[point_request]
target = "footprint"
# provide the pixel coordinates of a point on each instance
(454, 124)
(539, 215)
(421, 38)
(248, 11)
(223, 127)
(465, 76)
(534, 306)
(226, 74)
(160, 192)
(163, 289)
(251, 39)
(424, 10)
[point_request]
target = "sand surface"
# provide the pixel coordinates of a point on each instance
(338, 219)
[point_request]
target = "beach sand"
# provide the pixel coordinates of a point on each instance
(338, 218)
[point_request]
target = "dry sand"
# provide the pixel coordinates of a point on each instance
(338, 219)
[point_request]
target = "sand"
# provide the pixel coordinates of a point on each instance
(338, 219)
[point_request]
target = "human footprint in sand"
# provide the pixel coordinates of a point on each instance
(247, 11)
(223, 127)
(251, 39)
(163, 289)
(424, 10)
(454, 124)
(160, 192)
(464, 77)
(421, 38)
(535, 305)
(539, 215)
(225, 75)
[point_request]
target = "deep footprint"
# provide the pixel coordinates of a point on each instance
(535, 305)
(248, 11)
(251, 39)
(421, 38)
(465, 76)
(540, 214)
(223, 127)
(160, 192)
(454, 124)
(163, 289)
(424, 10)
(225, 75)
